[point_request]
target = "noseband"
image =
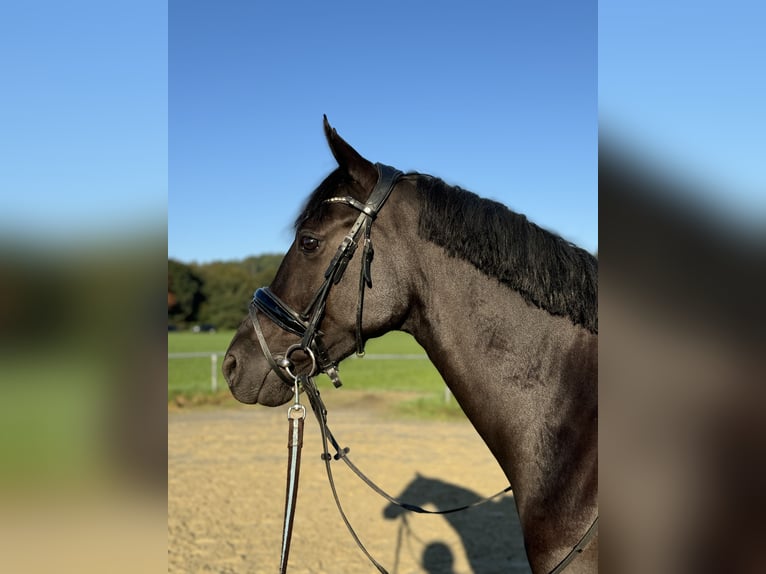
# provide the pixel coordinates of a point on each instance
(306, 324)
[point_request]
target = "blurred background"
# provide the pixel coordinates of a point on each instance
(682, 208)
(83, 218)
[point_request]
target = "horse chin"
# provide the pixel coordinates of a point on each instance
(274, 392)
(270, 391)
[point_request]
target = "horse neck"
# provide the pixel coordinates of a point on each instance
(526, 380)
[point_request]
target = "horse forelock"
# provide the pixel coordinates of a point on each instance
(546, 270)
(338, 182)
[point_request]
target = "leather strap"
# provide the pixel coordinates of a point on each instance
(387, 178)
(294, 445)
(296, 415)
(264, 346)
(578, 548)
(320, 411)
(365, 279)
(317, 405)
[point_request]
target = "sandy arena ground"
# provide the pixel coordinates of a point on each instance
(226, 482)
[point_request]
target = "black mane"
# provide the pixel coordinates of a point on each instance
(546, 270)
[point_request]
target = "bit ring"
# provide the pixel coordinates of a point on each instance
(287, 364)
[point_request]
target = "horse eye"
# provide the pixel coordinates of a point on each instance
(309, 244)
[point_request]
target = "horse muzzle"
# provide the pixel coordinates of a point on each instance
(250, 378)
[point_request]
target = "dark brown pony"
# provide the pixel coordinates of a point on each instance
(506, 311)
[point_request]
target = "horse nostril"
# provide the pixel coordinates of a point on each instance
(229, 366)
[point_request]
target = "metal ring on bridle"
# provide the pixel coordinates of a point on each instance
(287, 363)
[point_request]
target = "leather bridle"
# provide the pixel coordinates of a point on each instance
(306, 324)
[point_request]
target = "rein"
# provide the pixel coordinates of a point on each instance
(295, 414)
(306, 326)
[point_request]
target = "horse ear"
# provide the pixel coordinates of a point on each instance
(360, 169)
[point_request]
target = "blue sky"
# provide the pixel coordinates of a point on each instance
(497, 97)
(683, 84)
(83, 118)
(117, 114)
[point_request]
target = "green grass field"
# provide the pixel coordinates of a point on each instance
(189, 379)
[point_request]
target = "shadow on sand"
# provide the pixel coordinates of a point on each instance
(490, 533)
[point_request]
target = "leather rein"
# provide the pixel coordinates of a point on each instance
(306, 326)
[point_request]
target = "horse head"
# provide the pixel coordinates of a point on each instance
(506, 310)
(319, 290)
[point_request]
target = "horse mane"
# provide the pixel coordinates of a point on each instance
(547, 271)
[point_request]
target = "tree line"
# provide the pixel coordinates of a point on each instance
(216, 293)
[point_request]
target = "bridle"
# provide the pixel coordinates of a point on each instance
(306, 324)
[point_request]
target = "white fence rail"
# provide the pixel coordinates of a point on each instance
(213, 364)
